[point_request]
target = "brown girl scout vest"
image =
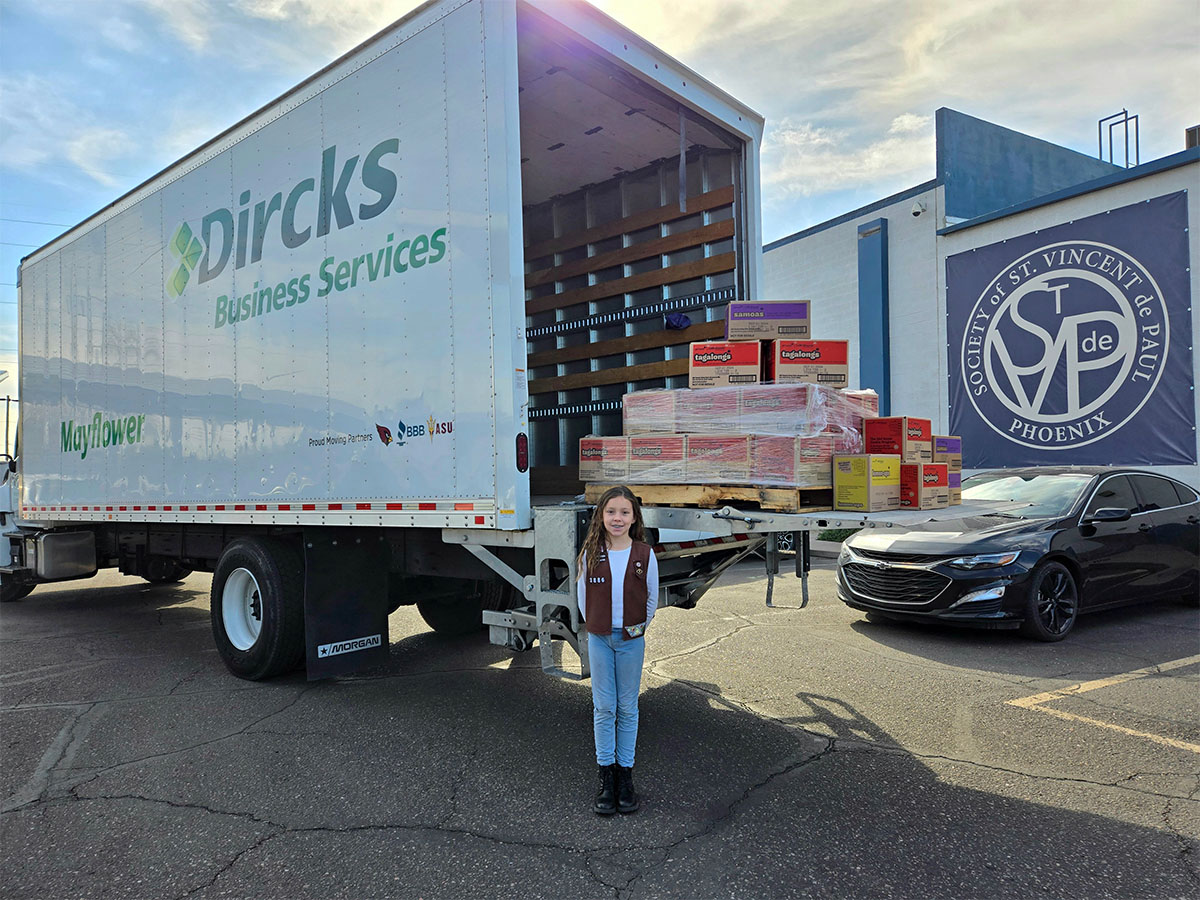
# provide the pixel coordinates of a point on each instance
(598, 593)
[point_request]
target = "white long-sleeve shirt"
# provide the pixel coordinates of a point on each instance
(618, 561)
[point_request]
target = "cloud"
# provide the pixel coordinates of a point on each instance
(803, 158)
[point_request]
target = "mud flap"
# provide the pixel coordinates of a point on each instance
(345, 600)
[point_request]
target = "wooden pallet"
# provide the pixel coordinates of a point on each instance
(712, 496)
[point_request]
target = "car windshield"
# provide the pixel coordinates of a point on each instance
(1049, 495)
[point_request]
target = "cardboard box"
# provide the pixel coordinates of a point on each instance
(717, 458)
(909, 437)
(955, 488)
(947, 448)
(724, 363)
(657, 459)
(747, 320)
(792, 461)
(774, 409)
(924, 486)
(850, 408)
(866, 482)
(714, 411)
(649, 412)
(815, 362)
(604, 459)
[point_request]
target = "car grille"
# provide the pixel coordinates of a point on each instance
(900, 557)
(894, 585)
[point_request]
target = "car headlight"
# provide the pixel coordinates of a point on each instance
(984, 560)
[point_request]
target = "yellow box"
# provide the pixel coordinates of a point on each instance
(866, 482)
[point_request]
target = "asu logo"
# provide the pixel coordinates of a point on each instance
(1065, 345)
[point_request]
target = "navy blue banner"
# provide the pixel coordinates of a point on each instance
(1072, 345)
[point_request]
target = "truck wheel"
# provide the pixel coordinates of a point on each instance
(460, 610)
(164, 571)
(257, 608)
(10, 593)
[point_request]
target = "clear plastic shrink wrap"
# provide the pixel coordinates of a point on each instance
(781, 435)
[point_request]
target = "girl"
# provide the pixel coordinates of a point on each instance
(617, 594)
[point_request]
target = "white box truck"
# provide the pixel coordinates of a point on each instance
(319, 355)
(332, 354)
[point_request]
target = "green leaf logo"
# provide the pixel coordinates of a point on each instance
(187, 248)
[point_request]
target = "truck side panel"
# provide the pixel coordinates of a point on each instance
(295, 320)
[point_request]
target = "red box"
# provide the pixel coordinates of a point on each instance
(717, 458)
(657, 459)
(792, 461)
(649, 412)
(774, 409)
(924, 486)
(815, 362)
(909, 437)
(604, 459)
(712, 411)
(724, 363)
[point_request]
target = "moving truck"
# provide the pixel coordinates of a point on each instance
(333, 354)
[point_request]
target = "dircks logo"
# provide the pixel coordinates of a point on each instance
(713, 356)
(242, 231)
(1065, 345)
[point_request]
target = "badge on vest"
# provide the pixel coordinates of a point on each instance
(637, 630)
(638, 569)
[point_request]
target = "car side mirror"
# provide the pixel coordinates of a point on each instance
(1108, 514)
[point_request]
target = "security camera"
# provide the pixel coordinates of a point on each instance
(918, 207)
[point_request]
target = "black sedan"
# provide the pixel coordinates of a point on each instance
(1087, 539)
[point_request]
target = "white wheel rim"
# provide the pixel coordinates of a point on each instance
(241, 609)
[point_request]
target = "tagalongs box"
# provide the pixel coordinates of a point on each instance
(815, 362)
(924, 486)
(724, 363)
(907, 436)
(603, 459)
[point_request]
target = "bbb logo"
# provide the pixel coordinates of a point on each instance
(1065, 345)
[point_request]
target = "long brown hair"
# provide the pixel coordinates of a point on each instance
(597, 537)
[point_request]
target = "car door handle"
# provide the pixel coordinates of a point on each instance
(1144, 527)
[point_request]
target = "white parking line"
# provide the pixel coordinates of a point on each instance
(1036, 701)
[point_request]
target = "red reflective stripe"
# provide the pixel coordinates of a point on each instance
(309, 506)
(464, 505)
(260, 507)
(201, 508)
(426, 506)
(239, 507)
(395, 506)
(335, 506)
(183, 509)
(479, 520)
(167, 508)
(362, 505)
(284, 506)
(121, 508)
(220, 507)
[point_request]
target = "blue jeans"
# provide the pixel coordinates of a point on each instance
(616, 676)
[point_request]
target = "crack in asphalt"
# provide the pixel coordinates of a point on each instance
(61, 751)
(1186, 846)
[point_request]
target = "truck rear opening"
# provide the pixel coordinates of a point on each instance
(633, 207)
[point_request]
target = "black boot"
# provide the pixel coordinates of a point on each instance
(627, 797)
(606, 799)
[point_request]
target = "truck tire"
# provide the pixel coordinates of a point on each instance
(160, 570)
(257, 608)
(10, 592)
(460, 611)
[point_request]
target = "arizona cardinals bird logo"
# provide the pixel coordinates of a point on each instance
(385, 434)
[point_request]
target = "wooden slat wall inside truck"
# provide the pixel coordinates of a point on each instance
(604, 266)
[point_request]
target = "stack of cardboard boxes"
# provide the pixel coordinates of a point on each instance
(803, 429)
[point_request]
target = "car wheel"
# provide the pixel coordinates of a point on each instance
(1053, 604)
(257, 608)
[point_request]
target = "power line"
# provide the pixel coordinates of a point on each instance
(34, 222)
(11, 244)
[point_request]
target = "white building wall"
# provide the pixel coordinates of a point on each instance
(1185, 177)
(823, 268)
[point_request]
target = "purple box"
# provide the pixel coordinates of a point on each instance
(767, 320)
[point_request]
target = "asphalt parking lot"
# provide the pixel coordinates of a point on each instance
(783, 753)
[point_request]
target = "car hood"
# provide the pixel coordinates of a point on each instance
(972, 534)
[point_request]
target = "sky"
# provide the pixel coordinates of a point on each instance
(98, 95)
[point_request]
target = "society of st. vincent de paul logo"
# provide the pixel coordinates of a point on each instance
(1065, 345)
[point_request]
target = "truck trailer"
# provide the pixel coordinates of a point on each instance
(332, 354)
(341, 355)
